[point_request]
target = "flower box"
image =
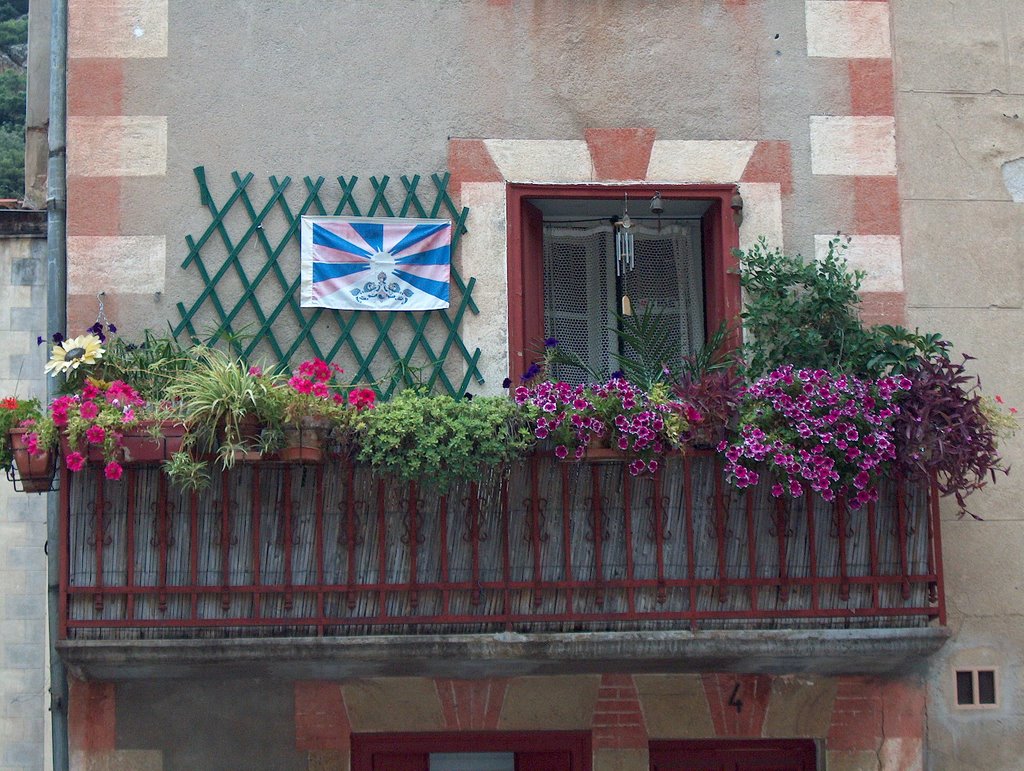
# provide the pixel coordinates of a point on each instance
(34, 472)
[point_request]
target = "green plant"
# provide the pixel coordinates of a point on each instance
(802, 314)
(438, 439)
(649, 351)
(223, 402)
(900, 350)
(13, 413)
(187, 471)
(150, 365)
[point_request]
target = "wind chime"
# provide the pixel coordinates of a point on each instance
(625, 257)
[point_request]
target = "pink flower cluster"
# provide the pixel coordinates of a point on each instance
(362, 398)
(617, 412)
(829, 432)
(115, 405)
(314, 377)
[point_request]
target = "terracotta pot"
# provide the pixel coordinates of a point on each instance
(35, 472)
(250, 429)
(141, 445)
(304, 443)
(599, 450)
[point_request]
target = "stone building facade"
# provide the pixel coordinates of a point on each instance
(897, 122)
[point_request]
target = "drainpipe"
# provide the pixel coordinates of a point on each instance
(56, 319)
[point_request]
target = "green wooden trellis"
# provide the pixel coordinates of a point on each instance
(249, 299)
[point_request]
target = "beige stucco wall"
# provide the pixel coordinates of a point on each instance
(370, 89)
(960, 113)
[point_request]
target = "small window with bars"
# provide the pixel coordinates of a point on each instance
(976, 688)
(583, 292)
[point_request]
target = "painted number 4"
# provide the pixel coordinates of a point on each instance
(733, 701)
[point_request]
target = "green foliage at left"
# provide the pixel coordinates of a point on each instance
(13, 48)
(438, 440)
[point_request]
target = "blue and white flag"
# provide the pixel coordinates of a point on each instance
(375, 263)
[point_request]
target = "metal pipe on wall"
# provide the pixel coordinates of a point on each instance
(56, 315)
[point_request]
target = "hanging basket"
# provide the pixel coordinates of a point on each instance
(30, 473)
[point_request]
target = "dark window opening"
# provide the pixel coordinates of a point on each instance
(562, 275)
(975, 688)
(587, 291)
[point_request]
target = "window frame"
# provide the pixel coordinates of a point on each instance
(976, 702)
(525, 260)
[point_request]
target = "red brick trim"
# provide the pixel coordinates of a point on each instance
(620, 153)
(470, 161)
(94, 206)
(856, 716)
(95, 86)
(876, 206)
(91, 716)
(618, 719)
(471, 705)
(745, 715)
(905, 708)
(883, 308)
(871, 87)
(321, 718)
(771, 161)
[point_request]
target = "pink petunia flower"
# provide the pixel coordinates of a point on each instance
(75, 461)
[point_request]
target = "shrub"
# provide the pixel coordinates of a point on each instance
(802, 314)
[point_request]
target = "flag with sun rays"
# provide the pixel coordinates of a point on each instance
(375, 263)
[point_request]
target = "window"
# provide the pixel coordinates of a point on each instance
(563, 281)
(975, 688)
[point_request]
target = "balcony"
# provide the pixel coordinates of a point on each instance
(330, 550)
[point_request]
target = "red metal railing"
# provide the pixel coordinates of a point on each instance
(541, 545)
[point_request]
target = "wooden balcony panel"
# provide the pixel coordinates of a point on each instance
(541, 546)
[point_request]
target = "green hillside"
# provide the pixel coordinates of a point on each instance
(13, 55)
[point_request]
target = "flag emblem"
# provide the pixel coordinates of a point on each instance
(375, 263)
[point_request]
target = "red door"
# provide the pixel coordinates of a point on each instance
(400, 761)
(544, 761)
(534, 751)
(746, 755)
